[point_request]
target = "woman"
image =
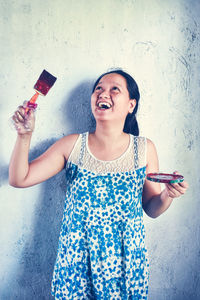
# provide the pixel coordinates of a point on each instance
(102, 253)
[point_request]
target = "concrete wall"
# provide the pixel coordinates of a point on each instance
(158, 43)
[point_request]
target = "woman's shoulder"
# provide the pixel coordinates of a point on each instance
(151, 149)
(146, 148)
(140, 138)
(148, 141)
(67, 143)
(145, 143)
(68, 139)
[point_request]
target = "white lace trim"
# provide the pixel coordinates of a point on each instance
(134, 157)
(109, 161)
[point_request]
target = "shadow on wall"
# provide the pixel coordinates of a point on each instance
(33, 279)
(3, 175)
(77, 110)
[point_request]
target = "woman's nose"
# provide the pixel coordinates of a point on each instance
(104, 94)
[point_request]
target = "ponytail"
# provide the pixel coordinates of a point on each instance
(131, 125)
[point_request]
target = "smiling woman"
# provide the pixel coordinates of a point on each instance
(131, 124)
(102, 252)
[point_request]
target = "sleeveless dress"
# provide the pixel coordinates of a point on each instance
(102, 253)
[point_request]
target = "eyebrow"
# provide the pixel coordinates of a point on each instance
(115, 83)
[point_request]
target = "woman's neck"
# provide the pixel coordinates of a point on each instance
(107, 135)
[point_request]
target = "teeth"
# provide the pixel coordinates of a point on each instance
(104, 105)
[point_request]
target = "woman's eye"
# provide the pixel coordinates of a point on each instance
(115, 88)
(98, 88)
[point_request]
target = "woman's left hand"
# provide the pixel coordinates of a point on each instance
(175, 190)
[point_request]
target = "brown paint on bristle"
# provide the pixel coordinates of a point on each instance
(44, 83)
(42, 86)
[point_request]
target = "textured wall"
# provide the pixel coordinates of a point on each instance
(158, 43)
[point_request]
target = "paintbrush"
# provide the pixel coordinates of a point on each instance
(42, 86)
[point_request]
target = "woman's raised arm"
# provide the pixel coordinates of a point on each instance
(21, 172)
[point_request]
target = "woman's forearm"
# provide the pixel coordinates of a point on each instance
(158, 204)
(19, 165)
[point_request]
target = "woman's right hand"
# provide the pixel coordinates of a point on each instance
(24, 121)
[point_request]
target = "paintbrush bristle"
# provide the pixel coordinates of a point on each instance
(47, 77)
(44, 83)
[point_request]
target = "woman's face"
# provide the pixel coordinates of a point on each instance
(110, 99)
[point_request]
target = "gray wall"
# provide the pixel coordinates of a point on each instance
(158, 43)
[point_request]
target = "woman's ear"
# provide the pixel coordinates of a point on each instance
(132, 104)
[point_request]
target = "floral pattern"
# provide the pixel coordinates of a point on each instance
(102, 253)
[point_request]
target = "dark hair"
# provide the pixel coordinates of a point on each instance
(131, 124)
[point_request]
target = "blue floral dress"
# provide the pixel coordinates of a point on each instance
(102, 253)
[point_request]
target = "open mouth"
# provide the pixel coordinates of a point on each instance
(104, 105)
